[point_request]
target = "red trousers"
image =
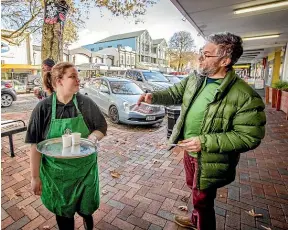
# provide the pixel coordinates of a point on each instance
(203, 215)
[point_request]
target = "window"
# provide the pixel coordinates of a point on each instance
(132, 60)
(109, 46)
(97, 84)
(154, 76)
(129, 74)
(128, 60)
(121, 59)
(119, 46)
(125, 88)
(104, 86)
(100, 48)
(92, 49)
(137, 75)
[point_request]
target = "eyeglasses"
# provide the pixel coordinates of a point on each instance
(204, 56)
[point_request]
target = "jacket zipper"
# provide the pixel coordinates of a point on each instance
(198, 155)
(181, 124)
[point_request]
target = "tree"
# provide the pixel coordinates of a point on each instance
(25, 17)
(58, 19)
(188, 60)
(180, 44)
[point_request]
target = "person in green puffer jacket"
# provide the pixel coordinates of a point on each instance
(221, 117)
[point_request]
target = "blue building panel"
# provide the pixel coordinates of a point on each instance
(123, 42)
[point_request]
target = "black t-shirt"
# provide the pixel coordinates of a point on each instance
(41, 117)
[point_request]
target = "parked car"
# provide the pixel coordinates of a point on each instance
(32, 82)
(148, 81)
(6, 84)
(171, 78)
(8, 94)
(117, 98)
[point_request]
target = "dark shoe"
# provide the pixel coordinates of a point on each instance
(185, 222)
(88, 223)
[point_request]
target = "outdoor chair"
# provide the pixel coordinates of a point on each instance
(10, 127)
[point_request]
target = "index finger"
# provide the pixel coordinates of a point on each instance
(140, 99)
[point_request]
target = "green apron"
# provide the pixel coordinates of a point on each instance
(69, 185)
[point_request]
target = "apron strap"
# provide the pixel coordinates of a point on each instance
(76, 104)
(54, 104)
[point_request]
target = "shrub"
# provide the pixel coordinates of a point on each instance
(282, 85)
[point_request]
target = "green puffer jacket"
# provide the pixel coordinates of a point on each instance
(234, 122)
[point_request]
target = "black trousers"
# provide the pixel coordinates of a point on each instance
(66, 223)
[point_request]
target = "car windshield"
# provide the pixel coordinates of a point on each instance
(124, 87)
(173, 79)
(154, 76)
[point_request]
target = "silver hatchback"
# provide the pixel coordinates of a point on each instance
(117, 98)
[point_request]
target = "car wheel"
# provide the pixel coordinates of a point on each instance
(113, 114)
(6, 100)
(37, 81)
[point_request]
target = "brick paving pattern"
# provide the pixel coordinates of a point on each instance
(152, 184)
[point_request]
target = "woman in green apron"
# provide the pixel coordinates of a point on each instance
(66, 186)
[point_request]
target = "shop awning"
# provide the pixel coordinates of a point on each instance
(20, 66)
(241, 66)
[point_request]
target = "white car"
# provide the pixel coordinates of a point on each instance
(117, 97)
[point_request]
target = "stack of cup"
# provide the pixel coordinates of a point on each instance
(66, 140)
(69, 140)
(76, 137)
(75, 150)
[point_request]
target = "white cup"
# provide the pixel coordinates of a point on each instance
(75, 150)
(76, 138)
(66, 140)
(66, 151)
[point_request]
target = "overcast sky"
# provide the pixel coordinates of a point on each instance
(162, 21)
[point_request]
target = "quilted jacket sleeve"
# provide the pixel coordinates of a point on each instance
(248, 130)
(171, 96)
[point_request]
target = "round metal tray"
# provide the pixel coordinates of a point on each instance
(53, 148)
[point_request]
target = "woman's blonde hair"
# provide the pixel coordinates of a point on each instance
(58, 71)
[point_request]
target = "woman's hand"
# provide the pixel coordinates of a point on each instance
(36, 186)
(96, 135)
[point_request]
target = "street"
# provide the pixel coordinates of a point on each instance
(24, 102)
(27, 102)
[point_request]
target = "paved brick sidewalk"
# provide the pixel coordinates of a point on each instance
(152, 184)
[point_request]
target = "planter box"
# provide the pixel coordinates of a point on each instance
(284, 102)
(278, 99)
(267, 94)
(270, 95)
(274, 97)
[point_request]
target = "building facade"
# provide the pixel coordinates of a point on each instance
(17, 61)
(123, 57)
(149, 52)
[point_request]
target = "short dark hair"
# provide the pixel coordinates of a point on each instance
(230, 45)
(49, 62)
